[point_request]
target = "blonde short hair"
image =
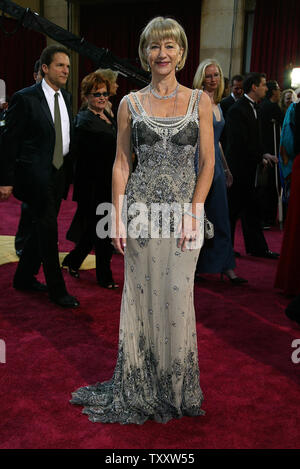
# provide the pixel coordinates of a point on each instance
(160, 29)
(200, 77)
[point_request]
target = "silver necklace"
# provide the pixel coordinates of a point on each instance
(175, 102)
(169, 96)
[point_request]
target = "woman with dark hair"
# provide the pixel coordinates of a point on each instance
(95, 147)
(288, 272)
(111, 76)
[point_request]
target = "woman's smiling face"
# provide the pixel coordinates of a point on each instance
(164, 56)
(97, 99)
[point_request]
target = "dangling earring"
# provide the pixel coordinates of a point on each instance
(176, 68)
(148, 68)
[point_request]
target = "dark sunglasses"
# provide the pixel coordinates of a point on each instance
(98, 95)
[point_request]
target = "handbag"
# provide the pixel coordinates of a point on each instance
(209, 230)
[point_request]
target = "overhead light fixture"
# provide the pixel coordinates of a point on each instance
(295, 76)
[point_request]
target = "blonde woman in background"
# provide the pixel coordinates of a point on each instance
(217, 255)
(287, 98)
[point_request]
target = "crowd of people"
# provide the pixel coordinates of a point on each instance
(219, 158)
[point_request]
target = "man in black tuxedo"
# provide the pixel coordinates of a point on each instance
(236, 93)
(35, 166)
(226, 103)
(244, 152)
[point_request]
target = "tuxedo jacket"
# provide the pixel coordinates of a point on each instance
(226, 104)
(28, 146)
(244, 148)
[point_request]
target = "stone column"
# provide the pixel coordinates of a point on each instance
(58, 12)
(216, 34)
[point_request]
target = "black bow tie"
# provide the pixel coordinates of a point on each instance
(254, 104)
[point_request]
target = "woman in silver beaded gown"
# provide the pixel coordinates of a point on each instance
(157, 374)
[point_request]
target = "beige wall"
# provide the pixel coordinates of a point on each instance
(57, 12)
(216, 33)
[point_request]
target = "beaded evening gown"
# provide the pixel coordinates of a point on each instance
(157, 374)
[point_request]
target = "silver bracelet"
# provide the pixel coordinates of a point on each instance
(192, 215)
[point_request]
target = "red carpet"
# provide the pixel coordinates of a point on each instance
(251, 386)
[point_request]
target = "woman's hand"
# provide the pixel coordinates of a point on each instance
(189, 232)
(269, 160)
(119, 241)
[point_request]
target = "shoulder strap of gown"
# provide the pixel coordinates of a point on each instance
(130, 105)
(196, 102)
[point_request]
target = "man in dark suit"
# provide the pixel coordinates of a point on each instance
(226, 103)
(244, 152)
(236, 93)
(35, 166)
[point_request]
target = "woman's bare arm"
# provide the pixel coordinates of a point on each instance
(121, 171)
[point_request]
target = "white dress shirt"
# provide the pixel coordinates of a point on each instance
(65, 120)
(252, 104)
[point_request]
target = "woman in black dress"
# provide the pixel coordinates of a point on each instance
(95, 147)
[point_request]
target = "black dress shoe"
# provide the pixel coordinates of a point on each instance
(266, 254)
(234, 280)
(237, 254)
(73, 272)
(66, 301)
(109, 284)
(34, 285)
